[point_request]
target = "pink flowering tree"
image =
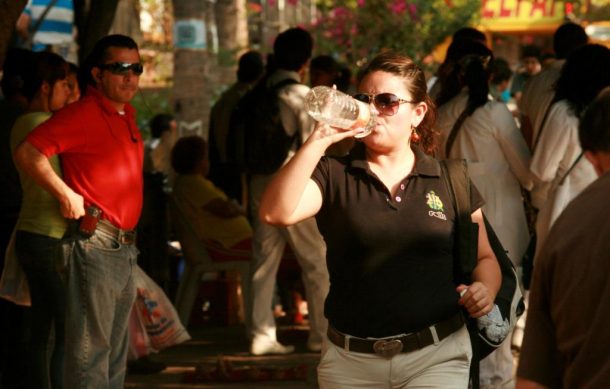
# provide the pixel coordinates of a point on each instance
(354, 30)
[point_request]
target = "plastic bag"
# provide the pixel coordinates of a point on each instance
(139, 342)
(14, 283)
(158, 324)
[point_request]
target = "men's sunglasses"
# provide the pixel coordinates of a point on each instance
(122, 68)
(386, 103)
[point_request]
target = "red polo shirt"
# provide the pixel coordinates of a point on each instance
(101, 155)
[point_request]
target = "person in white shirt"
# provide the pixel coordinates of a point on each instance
(540, 89)
(292, 49)
(476, 128)
(557, 163)
(566, 340)
(55, 32)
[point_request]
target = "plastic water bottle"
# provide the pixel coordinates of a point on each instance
(337, 109)
(495, 327)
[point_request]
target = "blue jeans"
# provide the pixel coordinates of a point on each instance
(100, 294)
(37, 255)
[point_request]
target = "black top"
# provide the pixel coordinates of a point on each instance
(390, 259)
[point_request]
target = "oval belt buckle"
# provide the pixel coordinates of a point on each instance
(387, 348)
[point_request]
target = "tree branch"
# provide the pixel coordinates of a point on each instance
(9, 13)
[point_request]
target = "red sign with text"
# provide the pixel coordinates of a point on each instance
(522, 15)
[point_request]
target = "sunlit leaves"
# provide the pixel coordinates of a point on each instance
(357, 29)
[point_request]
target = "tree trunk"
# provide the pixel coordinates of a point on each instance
(93, 19)
(232, 24)
(192, 89)
(232, 27)
(9, 13)
(127, 20)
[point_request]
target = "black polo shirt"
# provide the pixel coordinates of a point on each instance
(390, 259)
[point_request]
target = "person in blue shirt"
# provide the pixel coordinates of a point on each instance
(56, 31)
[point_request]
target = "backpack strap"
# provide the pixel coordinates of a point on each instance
(578, 158)
(279, 85)
(455, 129)
(41, 18)
(542, 123)
(296, 137)
(455, 175)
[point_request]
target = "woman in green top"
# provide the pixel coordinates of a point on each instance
(40, 225)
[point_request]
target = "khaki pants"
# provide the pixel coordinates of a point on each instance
(268, 245)
(444, 365)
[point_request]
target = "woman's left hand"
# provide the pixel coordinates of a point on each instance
(476, 298)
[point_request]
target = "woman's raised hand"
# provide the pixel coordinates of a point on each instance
(330, 135)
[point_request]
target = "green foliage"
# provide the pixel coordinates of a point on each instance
(148, 102)
(355, 30)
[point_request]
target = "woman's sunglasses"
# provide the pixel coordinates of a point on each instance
(122, 68)
(386, 103)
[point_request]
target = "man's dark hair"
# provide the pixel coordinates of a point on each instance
(48, 67)
(567, 38)
(17, 65)
(160, 123)
(530, 51)
(344, 79)
(99, 55)
(72, 68)
(470, 33)
(187, 154)
(292, 48)
(325, 63)
(499, 71)
(250, 66)
(594, 127)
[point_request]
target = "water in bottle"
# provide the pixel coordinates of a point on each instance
(493, 325)
(337, 109)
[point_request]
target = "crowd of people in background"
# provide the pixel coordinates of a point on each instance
(536, 138)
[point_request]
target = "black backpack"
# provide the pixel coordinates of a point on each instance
(509, 298)
(257, 141)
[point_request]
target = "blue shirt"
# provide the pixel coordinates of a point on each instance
(56, 28)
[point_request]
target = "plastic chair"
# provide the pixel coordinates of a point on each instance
(198, 262)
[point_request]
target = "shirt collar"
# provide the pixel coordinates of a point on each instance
(105, 104)
(425, 165)
(282, 74)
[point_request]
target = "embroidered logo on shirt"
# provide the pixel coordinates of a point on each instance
(436, 206)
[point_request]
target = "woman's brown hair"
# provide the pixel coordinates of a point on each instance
(415, 81)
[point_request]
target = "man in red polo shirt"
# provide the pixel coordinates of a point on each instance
(101, 153)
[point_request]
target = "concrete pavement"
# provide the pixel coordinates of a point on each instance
(200, 357)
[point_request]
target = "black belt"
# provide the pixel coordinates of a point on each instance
(122, 236)
(388, 347)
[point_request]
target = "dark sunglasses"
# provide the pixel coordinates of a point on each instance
(386, 103)
(122, 68)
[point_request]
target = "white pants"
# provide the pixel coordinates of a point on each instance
(444, 365)
(268, 249)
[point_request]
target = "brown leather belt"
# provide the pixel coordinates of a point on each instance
(388, 347)
(122, 236)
